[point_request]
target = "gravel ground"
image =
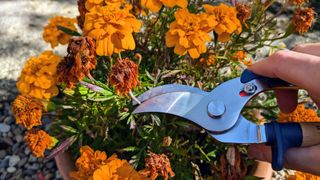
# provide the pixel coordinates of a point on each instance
(21, 26)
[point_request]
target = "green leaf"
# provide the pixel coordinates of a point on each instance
(130, 149)
(68, 31)
(156, 119)
(212, 154)
(68, 128)
(149, 76)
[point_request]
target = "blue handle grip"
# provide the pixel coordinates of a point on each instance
(281, 137)
(248, 75)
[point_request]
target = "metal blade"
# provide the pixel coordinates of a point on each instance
(176, 103)
(168, 88)
(244, 132)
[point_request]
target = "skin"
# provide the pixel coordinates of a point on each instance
(301, 67)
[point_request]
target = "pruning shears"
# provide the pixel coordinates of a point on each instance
(218, 112)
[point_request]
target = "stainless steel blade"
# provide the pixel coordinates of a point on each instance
(244, 132)
(168, 88)
(176, 103)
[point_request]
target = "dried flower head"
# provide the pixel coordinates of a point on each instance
(157, 165)
(112, 28)
(27, 111)
(53, 35)
(79, 62)
(38, 77)
(298, 2)
(38, 141)
(303, 19)
(189, 33)
(244, 13)
(155, 5)
(124, 76)
(82, 11)
(166, 141)
(226, 17)
(300, 114)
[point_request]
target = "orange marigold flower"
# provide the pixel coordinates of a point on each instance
(38, 77)
(302, 176)
(298, 2)
(79, 62)
(155, 5)
(157, 165)
(27, 111)
(209, 60)
(243, 13)
(300, 114)
(242, 57)
(53, 35)
(189, 33)
(38, 141)
(124, 76)
(226, 17)
(112, 29)
(303, 19)
(82, 11)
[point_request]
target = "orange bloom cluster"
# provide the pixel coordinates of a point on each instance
(124, 76)
(303, 176)
(38, 76)
(112, 28)
(209, 60)
(95, 165)
(27, 111)
(189, 33)
(300, 114)
(38, 141)
(79, 62)
(242, 57)
(303, 19)
(298, 2)
(155, 5)
(226, 19)
(157, 165)
(243, 13)
(53, 35)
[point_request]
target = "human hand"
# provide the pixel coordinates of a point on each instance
(300, 67)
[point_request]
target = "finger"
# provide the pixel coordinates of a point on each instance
(287, 100)
(311, 48)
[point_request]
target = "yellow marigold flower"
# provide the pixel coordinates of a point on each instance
(53, 35)
(303, 176)
(157, 165)
(300, 114)
(112, 29)
(189, 33)
(38, 76)
(27, 111)
(228, 23)
(155, 5)
(117, 169)
(124, 76)
(79, 62)
(243, 13)
(38, 141)
(303, 19)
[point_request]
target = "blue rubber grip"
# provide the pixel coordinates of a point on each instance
(248, 76)
(281, 137)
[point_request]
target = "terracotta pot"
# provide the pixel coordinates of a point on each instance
(65, 165)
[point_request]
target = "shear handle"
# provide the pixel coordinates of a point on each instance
(248, 76)
(282, 136)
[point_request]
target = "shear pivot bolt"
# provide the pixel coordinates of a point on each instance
(216, 109)
(249, 88)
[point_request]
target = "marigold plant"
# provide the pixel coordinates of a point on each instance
(121, 49)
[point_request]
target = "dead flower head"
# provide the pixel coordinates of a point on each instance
(82, 11)
(243, 13)
(157, 165)
(38, 141)
(302, 19)
(79, 62)
(27, 111)
(124, 76)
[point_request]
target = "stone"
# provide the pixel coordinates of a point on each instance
(32, 158)
(4, 163)
(34, 166)
(22, 162)
(27, 151)
(48, 176)
(11, 169)
(2, 154)
(50, 165)
(8, 141)
(19, 138)
(29, 172)
(10, 134)
(17, 131)
(15, 148)
(9, 120)
(13, 160)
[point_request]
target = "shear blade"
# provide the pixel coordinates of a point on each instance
(159, 90)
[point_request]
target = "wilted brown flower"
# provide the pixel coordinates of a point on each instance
(166, 141)
(124, 76)
(27, 111)
(244, 13)
(157, 165)
(82, 11)
(79, 62)
(302, 19)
